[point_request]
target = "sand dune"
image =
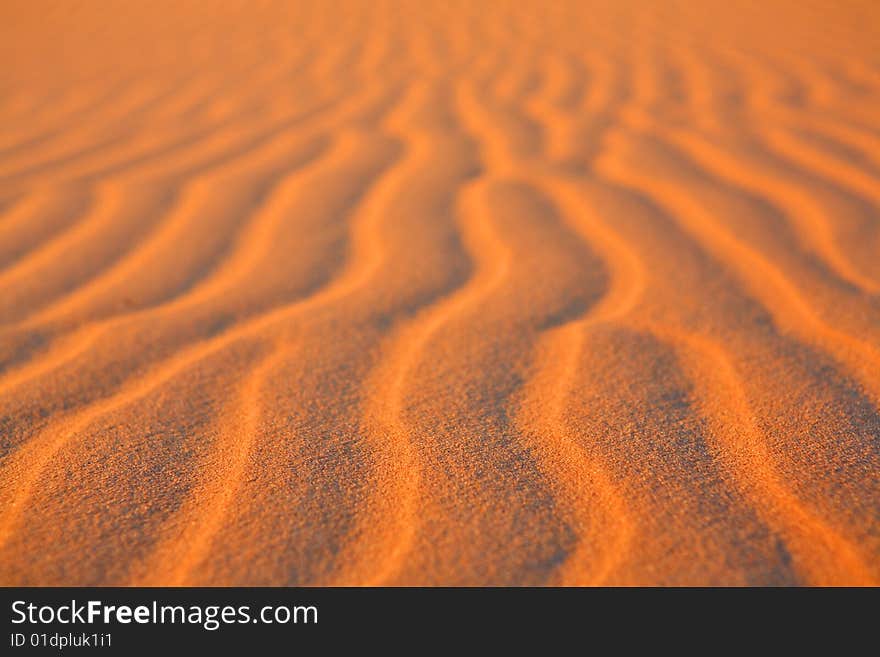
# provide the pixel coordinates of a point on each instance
(440, 293)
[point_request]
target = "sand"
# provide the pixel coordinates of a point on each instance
(456, 293)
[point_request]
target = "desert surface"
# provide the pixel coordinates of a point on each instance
(440, 293)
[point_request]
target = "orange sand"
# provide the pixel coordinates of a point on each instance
(440, 293)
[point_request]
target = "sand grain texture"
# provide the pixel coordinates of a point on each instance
(360, 293)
